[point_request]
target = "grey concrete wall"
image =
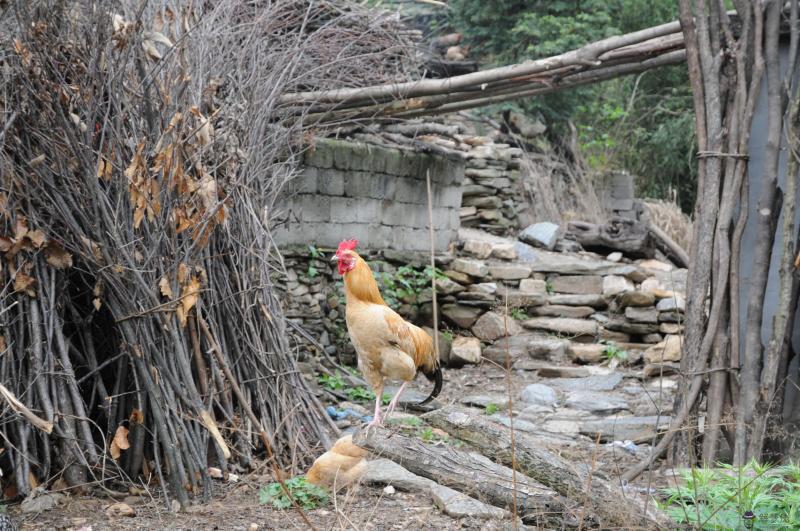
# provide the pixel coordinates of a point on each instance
(375, 194)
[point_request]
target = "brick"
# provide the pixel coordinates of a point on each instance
(331, 183)
(321, 154)
(411, 191)
(306, 182)
(312, 208)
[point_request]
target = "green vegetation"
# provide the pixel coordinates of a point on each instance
(613, 352)
(334, 383)
(491, 408)
(405, 285)
(518, 314)
(357, 393)
(548, 287)
(430, 435)
(412, 422)
(307, 495)
(751, 497)
(643, 124)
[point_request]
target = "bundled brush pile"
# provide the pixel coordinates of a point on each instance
(140, 335)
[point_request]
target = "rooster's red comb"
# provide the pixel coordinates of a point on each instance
(347, 245)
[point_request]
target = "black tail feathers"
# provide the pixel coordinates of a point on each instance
(436, 378)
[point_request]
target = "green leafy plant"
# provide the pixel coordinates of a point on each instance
(548, 287)
(613, 352)
(429, 435)
(406, 284)
(518, 313)
(362, 394)
(307, 495)
(333, 382)
(754, 496)
(406, 421)
(448, 335)
(491, 408)
(314, 252)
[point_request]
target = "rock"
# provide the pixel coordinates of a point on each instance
(564, 245)
(587, 353)
(603, 382)
(566, 427)
(39, 501)
(571, 327)
(618, 428)
(652, 338)
(519, 299)
(620, 324)
(598, 403)
(614, 257)
(117, 510)
(386, 472)
(459, 277)
(595, 301)
(465, 212)
(670, 317)
(641, 315)
(445, 345)
(668, 350)
(489, 288)
(534, 410)
(492, 325)
(655, 265)
(670, 328)
(446, 286)
(657, 288)
(465, 350)
(672, 304)
(613, 336)
(490, 201)
(477, 248)
(473, 268)
(460, 315)
(539, 394)
(614, 284)
(569, 264)
(481, 401)
(388, 490)
(637, 299)
(557, 371)
(517, 348)
(556, 310)
(547, 349)
(544, 234)
(504, 251)
(509, 271)
(578, 284)
(652, 370)
(458, 505)
(533, 286)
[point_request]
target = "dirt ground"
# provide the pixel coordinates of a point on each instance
(236, 506)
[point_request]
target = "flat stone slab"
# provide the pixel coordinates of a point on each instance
(605, 382)
(619, 428)
(596, 402)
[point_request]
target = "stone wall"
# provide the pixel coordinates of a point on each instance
(375, 194)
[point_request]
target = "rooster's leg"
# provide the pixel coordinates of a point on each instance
(376, 419)
(393, 403)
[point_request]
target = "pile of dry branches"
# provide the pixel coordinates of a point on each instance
(140, 338)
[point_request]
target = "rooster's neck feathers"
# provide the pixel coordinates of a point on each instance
(359, 284)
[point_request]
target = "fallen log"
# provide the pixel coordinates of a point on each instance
(626, 235)
(669, 247)
(476, 476)
(607, 503)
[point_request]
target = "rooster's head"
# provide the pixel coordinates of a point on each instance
(346, 256)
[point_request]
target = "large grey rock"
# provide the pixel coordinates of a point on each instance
(559, 325)
(597, 403)
(619, 428)
(517, 348)
(569, 264)
(594, 300)
(540, 394)
(578, 284)
(639, 299)
(548, 349)
(614, 284)
(587, 352)
(465, 350)
(479, 249)
(558, 310)
(672, 304)
(600, 382)
(620, 324)
(533, 286)
(460, 315)
(458, 505)
(474, 268)
(544, 234)
(509, 271)
(445, 286)
(641, 315)
(492, 325)
(504, 251)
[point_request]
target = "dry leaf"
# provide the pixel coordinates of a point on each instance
(189, 297)
(57, 256)
(156, 36)
(118, 22)
(214, 472)
(20, 228)
(183, 273)
(120, 510)
(93, 247)
(151, 50)
(25, 283)
(6, 244)
(38, 161)
(97, 304)
(119, 442)
(165, 288)
(137, 417)
(37, 238)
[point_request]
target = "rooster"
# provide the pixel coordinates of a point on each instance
(386, 344)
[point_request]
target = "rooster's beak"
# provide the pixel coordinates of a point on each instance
(334, 258)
